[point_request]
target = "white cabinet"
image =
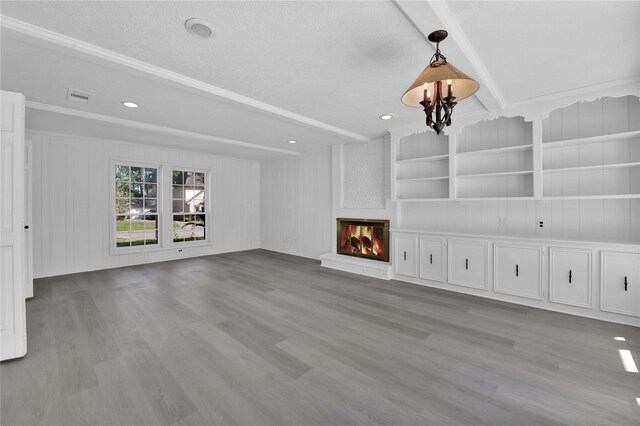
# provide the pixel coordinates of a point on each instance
(467, 263)
(620, 282)
(518, 270)
(570, 276)
(432, 259)
(404, 258)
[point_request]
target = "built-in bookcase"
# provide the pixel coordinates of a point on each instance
(592, 150)
(422, 167)
(589, 150)
(495, 159)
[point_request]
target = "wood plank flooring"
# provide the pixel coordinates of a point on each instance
(261, 338)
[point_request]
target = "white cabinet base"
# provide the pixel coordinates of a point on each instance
(570, 276)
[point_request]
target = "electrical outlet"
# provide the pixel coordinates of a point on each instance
(540, 223)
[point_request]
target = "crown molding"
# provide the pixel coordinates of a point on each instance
(151, 127)
(40, 33)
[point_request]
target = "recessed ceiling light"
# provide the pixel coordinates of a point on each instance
(292, 141)
(129, 104)
(386, 117)
(198, 27)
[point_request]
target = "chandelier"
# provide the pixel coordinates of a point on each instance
(429, 89)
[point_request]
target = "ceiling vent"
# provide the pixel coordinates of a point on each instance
(76, 95)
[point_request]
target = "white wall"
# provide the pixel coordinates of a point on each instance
(71, 202)
(296, 204)
(589, 220)
(362, 182)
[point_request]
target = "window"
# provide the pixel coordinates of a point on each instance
(136, 206)
(188, 195)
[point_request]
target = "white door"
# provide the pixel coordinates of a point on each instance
(518, 270)
(431, 259)
(570, 276)
(468, 264)
(620, 282)
(13, 342)
(404, 259)
(28, 218)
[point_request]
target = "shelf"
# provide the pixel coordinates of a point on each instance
(592, 197)
(598, 167)
(422, 179)
(530, 198)
(497, 174)
(494, 151)
(423, 159)
(593, 139)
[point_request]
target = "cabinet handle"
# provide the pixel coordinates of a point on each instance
(625, 283)
(431, 259)
(466, 264)
(569, 276)
(516, 270)
(405, 255)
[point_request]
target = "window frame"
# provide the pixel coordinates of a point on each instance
(113, 248)
(207, 212)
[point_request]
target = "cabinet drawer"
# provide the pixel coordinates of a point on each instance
(404, 258)
(620, 284)
(432, 259)
(467, 262)
(570, 276)
(518, 270)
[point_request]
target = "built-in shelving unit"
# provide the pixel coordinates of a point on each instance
(422, 167)
(586, 151)
(592, 150)
(494, 159)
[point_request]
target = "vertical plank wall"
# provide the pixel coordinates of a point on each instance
(71, 202)
(296, 204)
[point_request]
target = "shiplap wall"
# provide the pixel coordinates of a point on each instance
(71, 202)
(590, 220)
(296, 204)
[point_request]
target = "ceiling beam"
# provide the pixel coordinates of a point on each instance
(152, 127)
(147, 69)
(458, 47)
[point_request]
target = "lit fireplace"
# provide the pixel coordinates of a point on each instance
(364, 238)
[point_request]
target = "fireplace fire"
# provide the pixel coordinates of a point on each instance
(363, 238)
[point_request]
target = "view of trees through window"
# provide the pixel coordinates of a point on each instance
(188, 189)
(136, 206)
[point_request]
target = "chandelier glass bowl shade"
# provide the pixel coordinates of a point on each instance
(439, 87)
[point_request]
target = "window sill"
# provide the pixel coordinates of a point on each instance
(117, 251)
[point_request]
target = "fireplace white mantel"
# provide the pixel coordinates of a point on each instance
(368, 267)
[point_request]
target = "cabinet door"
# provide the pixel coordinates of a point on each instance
(404, 259)
(570, 276)
(468, 264)
(432, 259)
(620, 282)
(517, 270)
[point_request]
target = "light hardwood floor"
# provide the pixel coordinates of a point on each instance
(261, 338)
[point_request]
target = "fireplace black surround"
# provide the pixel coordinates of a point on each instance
(367, 238)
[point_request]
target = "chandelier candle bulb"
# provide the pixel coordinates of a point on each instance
(449, 88)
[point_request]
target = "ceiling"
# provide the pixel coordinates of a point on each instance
(319, 72)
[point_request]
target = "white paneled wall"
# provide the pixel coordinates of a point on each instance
(71, 202)
(589, 220)
(296, 204)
